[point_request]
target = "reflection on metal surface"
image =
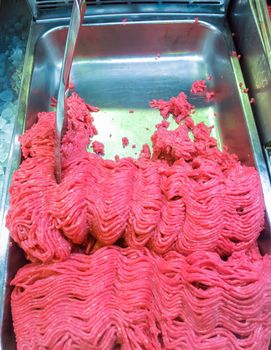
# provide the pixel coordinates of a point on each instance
(255, 63)
(113, 124)
(77, 16)
(263, 21)
(117, 69)
(256, 69)
(61, 8)
(268, 156)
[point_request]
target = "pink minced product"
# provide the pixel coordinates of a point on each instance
(209, 96)
(198, 87)
(172, 235)
(133, 299)
(125, 142)
(183, 194)
(178, 107)
(98, 148)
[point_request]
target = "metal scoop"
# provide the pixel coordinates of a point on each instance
(77, 16)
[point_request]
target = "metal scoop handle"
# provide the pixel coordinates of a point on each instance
(77, 16)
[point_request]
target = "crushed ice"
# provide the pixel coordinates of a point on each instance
(13, 37)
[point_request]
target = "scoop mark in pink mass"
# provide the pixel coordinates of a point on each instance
(125, 142)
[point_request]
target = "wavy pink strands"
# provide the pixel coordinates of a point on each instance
(139, 300)
(173, 261)
(187, 195)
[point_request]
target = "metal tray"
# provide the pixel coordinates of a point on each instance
(256, 62)
(117, 68)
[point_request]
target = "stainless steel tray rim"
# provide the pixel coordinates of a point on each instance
(39, 32)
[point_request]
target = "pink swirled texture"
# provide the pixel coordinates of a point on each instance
(134, 299)
(184, 195)
(185, 217)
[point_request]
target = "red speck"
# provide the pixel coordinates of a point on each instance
(210, 77)
(98, 148)
(246, 90)
(196, 20)
(209, 95)
(10, 244)
(124, 21)
(71, 86)
(239, 57)
(53, 102)
(233, 54)
(252, 100)
(133, 146)
(125, 142)
(131, 111)
(240, 84)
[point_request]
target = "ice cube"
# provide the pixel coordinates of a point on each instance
(18, 26)
(7, 132)
(16, 56)
(6, 95)
(2, 67)
(4, 149)
(7, 114)
(1, 178)
(2, 123)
